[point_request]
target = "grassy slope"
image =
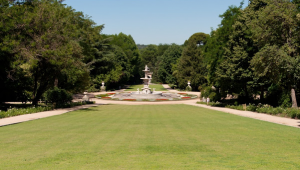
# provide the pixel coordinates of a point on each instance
(148, 137)
(157, 87)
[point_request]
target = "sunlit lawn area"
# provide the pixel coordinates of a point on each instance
(148, 137)
(158, 87)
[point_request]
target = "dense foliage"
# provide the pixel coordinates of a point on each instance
(253, 56)
(46, 44)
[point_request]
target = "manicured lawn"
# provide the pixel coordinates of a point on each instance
(158, 87)
(148, 137)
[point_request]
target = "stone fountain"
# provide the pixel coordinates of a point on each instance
(147, 80)
(146, 92)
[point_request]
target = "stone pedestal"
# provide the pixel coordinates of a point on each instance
(189, 88)
(102, 88)
(85, 98)
(147, 80)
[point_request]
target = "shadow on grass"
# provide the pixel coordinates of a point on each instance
(90, 109)
(129, 88)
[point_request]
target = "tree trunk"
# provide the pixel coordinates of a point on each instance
(35, 86)
(39, 94)
(294, 100)
(262, 94)
(246, 94)
(56, 82)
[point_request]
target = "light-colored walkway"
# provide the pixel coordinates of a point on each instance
(254, 115)
(33, 116)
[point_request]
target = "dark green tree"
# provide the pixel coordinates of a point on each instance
(215, 45)
(44, 36)
(276, 31)
(191, 66)
(127, 44)
(169, 58)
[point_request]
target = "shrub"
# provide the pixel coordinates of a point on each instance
(285, 101)
(173, 86)
(211, 93)
(58, 96)
(217, 104)
(93, 89)
(21, 111)
(298, 115)
(280, 110)
(292, 112)
(251, 107)
(239, 107)
(212, 96)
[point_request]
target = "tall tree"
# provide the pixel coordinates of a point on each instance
(235, 72)
(169, 58)
(149, 55)
(45, 37)
(128, 45)
(215, 44)
(276, 31)
(191, 65)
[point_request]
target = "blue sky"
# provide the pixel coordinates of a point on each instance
(155, 21)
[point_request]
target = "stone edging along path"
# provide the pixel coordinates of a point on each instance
(254, 115)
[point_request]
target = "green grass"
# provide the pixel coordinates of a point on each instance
(158, 87)
(148, 137)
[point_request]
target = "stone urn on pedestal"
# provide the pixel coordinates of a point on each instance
(188, 88)
(102, 87)
(85, 98)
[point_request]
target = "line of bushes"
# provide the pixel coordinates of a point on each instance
(29, 110)
(260, 108)
(21, 111)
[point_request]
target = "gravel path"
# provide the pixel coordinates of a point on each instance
(254, 115)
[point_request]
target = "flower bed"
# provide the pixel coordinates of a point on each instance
(111, 93)
(105, 98)
(185, 97)
(181, 93)
(162, 99)
(129, 99)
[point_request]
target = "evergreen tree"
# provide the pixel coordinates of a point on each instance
(190, 66)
